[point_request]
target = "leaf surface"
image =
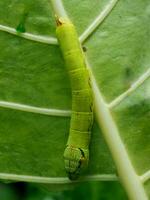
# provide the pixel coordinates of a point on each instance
(32, 73)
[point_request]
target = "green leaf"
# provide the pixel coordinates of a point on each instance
(33, 74)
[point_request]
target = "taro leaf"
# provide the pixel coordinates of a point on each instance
(33, 73)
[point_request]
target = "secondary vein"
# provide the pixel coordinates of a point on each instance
(33, 109)
(56, 180)
(145, 177)
(29, 36)
(127, 174)
(99, 19)
(126, 171)
(133, 87)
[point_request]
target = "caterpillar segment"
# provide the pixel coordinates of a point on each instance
(76, 154)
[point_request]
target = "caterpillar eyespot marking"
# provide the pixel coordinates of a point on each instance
(76, 154)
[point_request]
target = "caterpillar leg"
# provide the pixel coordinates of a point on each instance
(75, 160)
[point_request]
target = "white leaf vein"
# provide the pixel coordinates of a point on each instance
(57, 4)
(99, 19)
(133, 87)
(29, 36)
(34, 109)
(57, 180)
(145, 177)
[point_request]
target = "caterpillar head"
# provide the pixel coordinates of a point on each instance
(75, 160)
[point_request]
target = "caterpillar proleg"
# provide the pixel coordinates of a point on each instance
(76, 154)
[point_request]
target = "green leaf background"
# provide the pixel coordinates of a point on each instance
(34, 74)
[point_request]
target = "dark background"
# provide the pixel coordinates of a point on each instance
(84, 191)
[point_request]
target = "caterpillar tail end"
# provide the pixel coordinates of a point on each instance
(76, 160)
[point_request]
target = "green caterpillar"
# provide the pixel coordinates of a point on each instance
(76, 154)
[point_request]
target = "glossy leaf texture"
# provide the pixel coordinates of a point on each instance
(33, 73)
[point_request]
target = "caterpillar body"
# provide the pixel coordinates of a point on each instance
(76, 154)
